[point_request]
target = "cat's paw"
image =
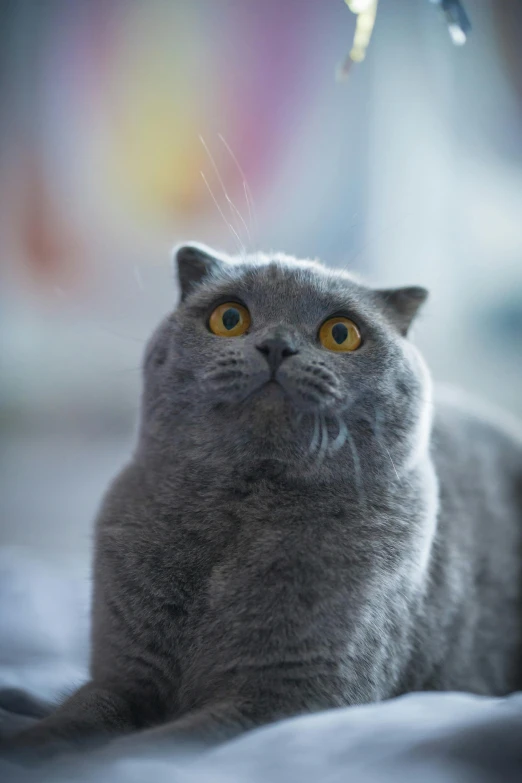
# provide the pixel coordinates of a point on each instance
(12, 724)
(29, 746)
(19, 702)
(20, 742)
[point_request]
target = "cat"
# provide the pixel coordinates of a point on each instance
(302, 525)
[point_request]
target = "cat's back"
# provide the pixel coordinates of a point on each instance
(477, 451)
(476, 570)
(476, 445)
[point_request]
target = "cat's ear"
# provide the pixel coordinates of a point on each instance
(192, 263)
(402, 304)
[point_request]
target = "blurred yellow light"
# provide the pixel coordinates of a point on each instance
(149, 139)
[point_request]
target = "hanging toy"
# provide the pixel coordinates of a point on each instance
(366, 11)
(456, 19)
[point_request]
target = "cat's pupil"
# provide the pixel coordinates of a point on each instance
(231, 318)
(339, 333)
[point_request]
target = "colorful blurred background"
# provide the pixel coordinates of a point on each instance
(410, 172)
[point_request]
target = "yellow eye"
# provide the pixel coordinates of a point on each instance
(340, 334)
(229, 320)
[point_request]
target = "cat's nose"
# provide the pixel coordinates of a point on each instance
(276, 349)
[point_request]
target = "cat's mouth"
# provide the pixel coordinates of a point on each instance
(271, 390)
(278, 394)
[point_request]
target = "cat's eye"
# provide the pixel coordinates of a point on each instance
(229, 320)
(340, 334)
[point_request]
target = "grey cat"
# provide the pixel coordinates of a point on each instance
(300, 526)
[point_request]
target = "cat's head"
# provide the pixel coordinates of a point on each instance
(288, 358)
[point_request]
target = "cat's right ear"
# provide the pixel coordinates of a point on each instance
(402, 304)
(193, 262)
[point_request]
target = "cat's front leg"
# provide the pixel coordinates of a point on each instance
(199, 728)
(93, 715)
(20, 702)
(227, 716)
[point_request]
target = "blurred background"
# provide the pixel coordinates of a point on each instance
(408, 173)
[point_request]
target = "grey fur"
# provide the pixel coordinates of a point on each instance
(279, 549)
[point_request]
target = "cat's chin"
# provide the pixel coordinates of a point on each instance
(269, 403)
(270, 392)
(269, 414)
(273, 400)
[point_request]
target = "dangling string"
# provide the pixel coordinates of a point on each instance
(456, 19)
(366, 11)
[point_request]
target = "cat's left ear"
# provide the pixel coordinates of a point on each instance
(402, 304)
(193, 262)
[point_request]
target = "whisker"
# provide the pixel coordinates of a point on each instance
(391, 460)
(298, 419)
(246, 187)
(377, 428)
(231, 204)
(377, 431)
(324, 442)
(357, 467)
(315, 437)
(340, 438)
(231, 227)
(249, 205)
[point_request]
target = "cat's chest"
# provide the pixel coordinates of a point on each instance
(283, 569)
(261, 514)
(269, 536)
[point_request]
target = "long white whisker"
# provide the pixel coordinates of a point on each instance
(357, 467)
(233, 208)
(324, 442)
(391, 460)
(231, 227)
(315, 437)
(246, 187)
(383, 444)
(340, 438)
(249, 205)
